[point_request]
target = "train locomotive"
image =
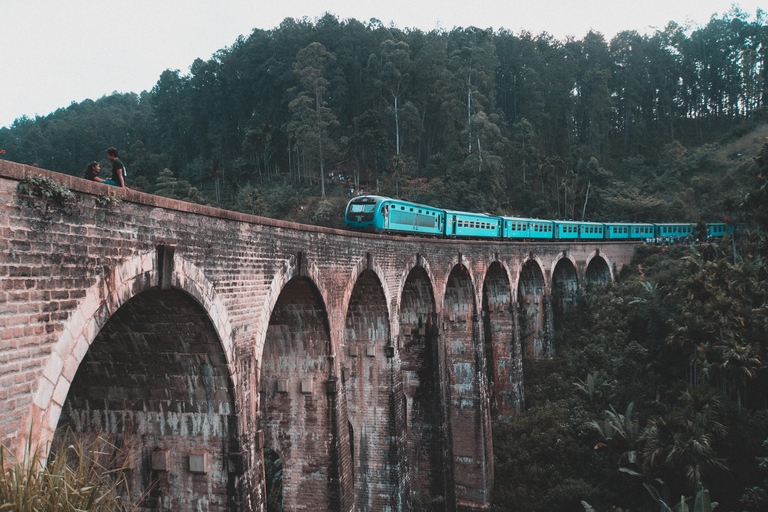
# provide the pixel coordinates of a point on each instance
(381, 214)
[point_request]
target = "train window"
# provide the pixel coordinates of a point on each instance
(358, 208)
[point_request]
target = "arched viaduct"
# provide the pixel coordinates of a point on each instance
(201, 339)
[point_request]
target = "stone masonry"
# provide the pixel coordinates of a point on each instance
(371, 366)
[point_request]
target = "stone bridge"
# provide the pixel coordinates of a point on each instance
(214, 346)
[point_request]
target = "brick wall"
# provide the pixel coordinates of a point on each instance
(275, 304)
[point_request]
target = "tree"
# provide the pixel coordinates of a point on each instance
(394, 77)
(312, 119)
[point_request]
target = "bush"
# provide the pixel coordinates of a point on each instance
(78, 477)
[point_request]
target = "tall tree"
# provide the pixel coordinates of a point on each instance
(313, 120)
(395, 77)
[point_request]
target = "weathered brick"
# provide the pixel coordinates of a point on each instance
(273, 301)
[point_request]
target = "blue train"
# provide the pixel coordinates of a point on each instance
(386, 215)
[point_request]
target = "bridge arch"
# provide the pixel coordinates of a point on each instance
(597, 270)
(298, 265)
(565, 285)
(420, 362)
(299, 414)
(134, 276)
(531, 297)
(363, 265)
(468, 399)
(367, 376)
(501, 345)
(156, 381)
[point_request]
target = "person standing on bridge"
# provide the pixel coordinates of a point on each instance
(118, 169)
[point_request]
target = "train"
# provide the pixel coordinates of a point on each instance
(381, 214)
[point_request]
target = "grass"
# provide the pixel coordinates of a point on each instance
(79, 476)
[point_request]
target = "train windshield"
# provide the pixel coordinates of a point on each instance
(364, 208)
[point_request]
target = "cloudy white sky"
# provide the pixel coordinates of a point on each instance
(55, 52)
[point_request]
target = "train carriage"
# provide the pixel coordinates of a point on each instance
(629, 231)
(471, 224)
(574, 230)
(674, 232)
(519, 227)
(383, 214)
(718, 229)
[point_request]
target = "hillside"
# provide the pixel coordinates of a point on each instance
(641, 127)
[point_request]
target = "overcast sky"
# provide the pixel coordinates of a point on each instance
(55, 52)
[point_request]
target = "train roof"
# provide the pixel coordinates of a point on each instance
(524, 219)
(629, 223)
(470, 213)
(377, 199)
(590, 222)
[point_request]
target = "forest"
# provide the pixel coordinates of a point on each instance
(287, 122)
(657, 390)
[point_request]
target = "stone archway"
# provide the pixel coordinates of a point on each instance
(367, 376)
(298, 398)
(468, 398)
(418, 348)
(598, 273)
(531, 298)
(565, 285)
(502, 346)
(156, 380)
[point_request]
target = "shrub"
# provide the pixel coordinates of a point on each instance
(78, 477)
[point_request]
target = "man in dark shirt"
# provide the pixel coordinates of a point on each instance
(92, 172)
(118, 169)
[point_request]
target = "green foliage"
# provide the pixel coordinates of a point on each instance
(44, 187)
(654, 392)
(78, 477)
(273, 477)
(516, 124)
(168, 186)
(106, 201)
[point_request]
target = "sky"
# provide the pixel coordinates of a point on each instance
(56, 52)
